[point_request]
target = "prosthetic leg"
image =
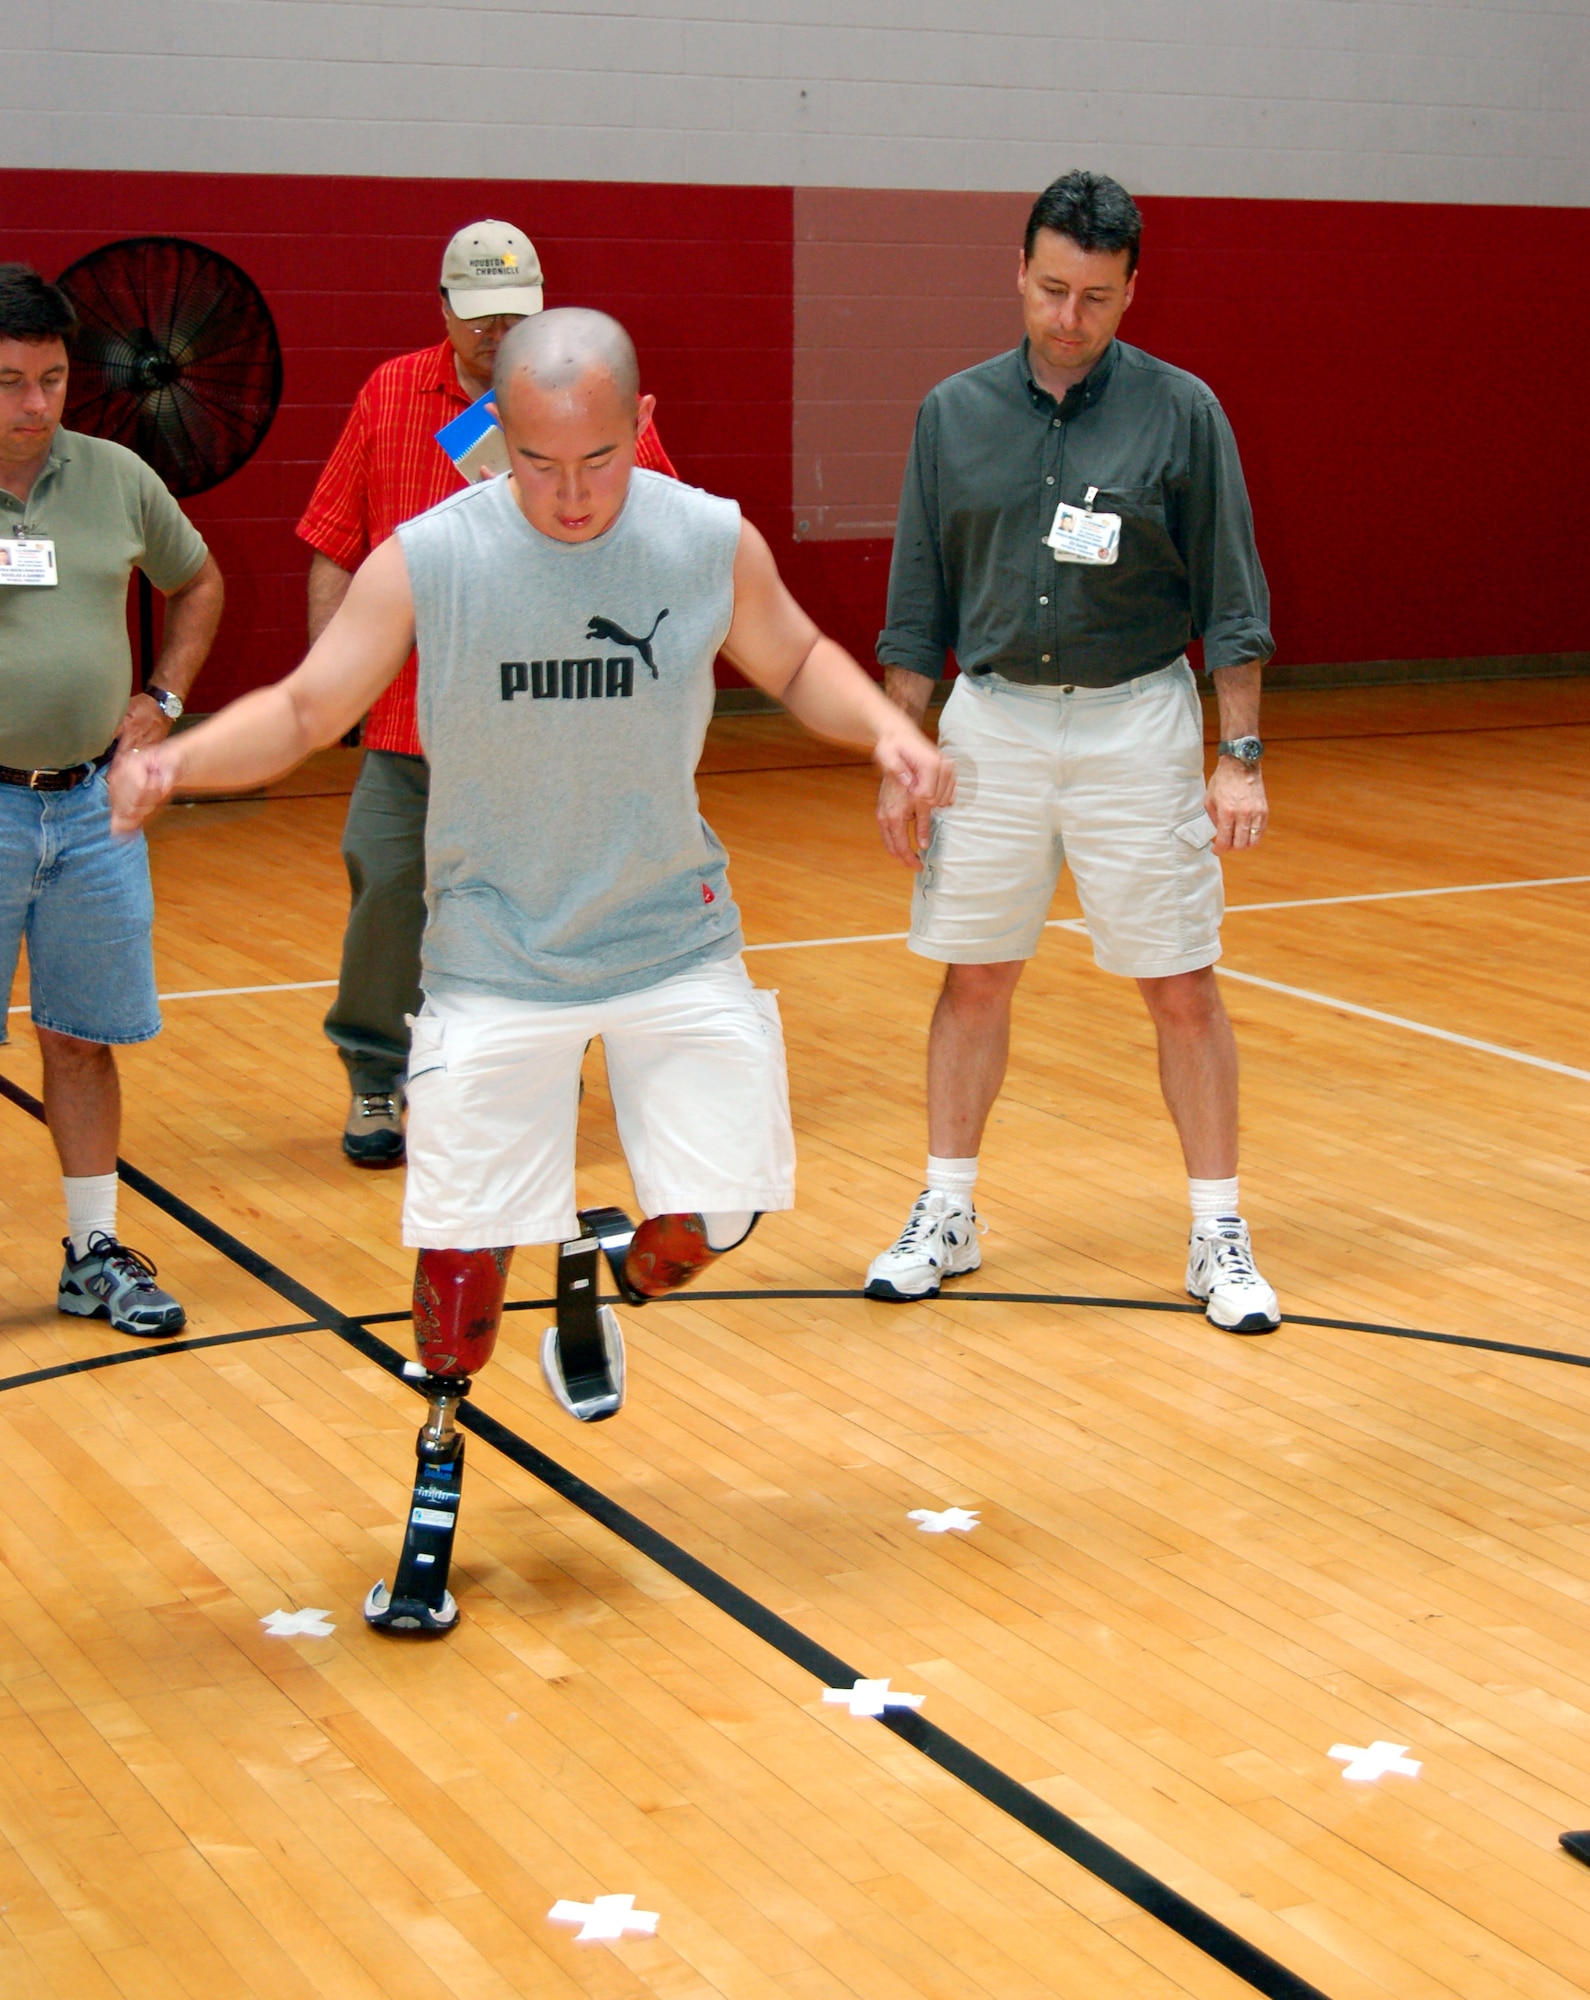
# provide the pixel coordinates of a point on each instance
(582, 1356)
(419, 1600)
(458, 1297)
(668, 1251)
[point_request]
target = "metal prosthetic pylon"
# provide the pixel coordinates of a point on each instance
(419, 1601)
(582, 1356)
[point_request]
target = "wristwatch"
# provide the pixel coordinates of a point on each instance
(1246, 749)
(169, 705)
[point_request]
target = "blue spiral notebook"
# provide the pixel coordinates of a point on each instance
(474, 441)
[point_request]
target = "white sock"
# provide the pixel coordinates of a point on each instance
(957, 1178)
(1212, 1198)
(90, 1208)
(725, 1227)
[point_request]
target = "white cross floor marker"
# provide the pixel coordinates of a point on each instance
(298, 1624)
(1376, 1761)
(605, 1920)
(940, 1524)
(871, 1698)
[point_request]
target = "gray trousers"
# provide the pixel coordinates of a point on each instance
(383, 847)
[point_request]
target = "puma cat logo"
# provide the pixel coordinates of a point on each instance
(604, 628)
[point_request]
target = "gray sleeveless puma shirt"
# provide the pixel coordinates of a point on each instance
(564, 694)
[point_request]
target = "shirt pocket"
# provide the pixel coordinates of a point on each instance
(1145, 534)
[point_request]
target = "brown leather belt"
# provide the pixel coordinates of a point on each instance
(55, 781)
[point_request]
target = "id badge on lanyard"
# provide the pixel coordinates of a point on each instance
(1081, 536)
(27, 565)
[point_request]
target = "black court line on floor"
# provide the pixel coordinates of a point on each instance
(1197, 1926)
(156, 1347)
(1068, 1836)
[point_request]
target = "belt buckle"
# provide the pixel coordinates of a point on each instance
(33, 780)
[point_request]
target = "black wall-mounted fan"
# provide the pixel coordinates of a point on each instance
(177, 358)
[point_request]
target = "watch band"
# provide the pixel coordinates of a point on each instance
(1246, 749)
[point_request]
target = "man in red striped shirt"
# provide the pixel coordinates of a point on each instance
(386, 468)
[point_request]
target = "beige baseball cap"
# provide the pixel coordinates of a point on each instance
(490, 268)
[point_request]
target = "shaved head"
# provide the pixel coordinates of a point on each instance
(568, 397)
(560, 348)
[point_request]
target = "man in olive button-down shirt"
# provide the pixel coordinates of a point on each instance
(993, 453)
(77, 515)
(1073, 513)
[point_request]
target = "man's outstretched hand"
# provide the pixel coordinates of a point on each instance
(917, 782)
(140, 783)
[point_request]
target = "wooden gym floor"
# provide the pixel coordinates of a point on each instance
(1201, 1561)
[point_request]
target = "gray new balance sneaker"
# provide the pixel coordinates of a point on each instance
(109, 1281)
(373, 1135)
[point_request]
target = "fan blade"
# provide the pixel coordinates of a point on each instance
(177, 356)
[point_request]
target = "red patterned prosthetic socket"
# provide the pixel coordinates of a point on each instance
(458, 1297)
(667, 1252)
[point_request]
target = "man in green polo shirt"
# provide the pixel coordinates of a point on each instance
(77, 515)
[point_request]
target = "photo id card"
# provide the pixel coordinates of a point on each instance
(1080, 536)
(27, 565)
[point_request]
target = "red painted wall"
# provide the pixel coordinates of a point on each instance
(700, 275)
(1390, 371)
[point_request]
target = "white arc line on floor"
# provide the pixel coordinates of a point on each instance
(1077, 927)
(1368, 896)
(1401, 1021)
(227, 992)
(811, 944)
(1232, 910)
(1402, 895)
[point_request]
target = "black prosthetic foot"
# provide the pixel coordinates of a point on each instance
(615, 1232)
(582, 1356)
(419, 1601)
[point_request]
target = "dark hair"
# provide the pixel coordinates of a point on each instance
(33, 309)
(1094, 211)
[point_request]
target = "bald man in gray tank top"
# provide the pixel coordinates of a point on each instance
(566, 618)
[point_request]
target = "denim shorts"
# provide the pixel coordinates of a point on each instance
(80, 895)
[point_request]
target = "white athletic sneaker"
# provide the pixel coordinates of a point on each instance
(939, 1241)
(1222, 1273)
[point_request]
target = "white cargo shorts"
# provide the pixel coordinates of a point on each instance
(696, 1068)
(1109, 780)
